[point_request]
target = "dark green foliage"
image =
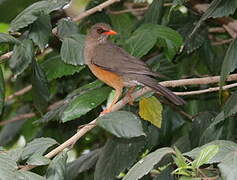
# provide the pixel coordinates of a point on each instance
(47, 52)
(2, 91)
(40, 31)
(22, 56)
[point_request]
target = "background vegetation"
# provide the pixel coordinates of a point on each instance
(48, 96)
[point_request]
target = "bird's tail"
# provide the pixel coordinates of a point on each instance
(152, 83)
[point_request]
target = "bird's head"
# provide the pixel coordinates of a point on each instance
(100, 32)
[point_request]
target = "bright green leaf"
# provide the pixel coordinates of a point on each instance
(122, 124)
(205, 155)
(150, 109)
(145, 165)
(21, 57)
(40, 31)
(55, 68)
(230, 62)
(72, 49)
(82, 104)
(4, 27)
(57, 167)
(31, 13)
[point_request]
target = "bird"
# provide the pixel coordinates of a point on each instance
(117, 68)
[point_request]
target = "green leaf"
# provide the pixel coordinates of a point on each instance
(66, 28)
(55, 68)
(28, 175)
(123, 24)
(40, 87)
(228, 166)
(40, 31)
(150, 109)
(2, 91)
(122, 151)
(83, 163)
(4, 27)
(38, 160)
(82, 104)
(225, 147)
(31, 13)
(230, 61)
(21, 57)
(146, 36)
(72, 49)
(218, 8)
(15, 154)
(57, 113)
(6, 38)
(7, 167)
(154, 13)
(141, 41)
(10, 131)
(226, 157)
(145, 165)
(37, 146)
(122, 124)
(229, 109)
(57, 167)
(205, 155)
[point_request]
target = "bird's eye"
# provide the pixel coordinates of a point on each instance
(100, 31)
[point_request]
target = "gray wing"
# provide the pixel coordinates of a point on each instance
(117, 60)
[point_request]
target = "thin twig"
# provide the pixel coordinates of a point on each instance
(18, 118)
(205, 90)
(225, 41)
(19, 93)
(216, 30)
(128, 10)
(5, 56)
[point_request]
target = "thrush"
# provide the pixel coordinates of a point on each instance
(117, 68)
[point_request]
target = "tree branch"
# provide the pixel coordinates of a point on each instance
(95, 9)
(183, 82)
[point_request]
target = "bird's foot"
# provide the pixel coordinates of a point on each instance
(129, 96)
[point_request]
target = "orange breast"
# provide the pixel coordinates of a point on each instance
(107, 77)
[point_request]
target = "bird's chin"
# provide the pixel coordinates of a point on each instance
(103, 39)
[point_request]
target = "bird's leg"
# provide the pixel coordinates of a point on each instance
(118, 92)
(129, 95)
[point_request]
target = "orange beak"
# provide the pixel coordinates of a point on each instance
(110, 32)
